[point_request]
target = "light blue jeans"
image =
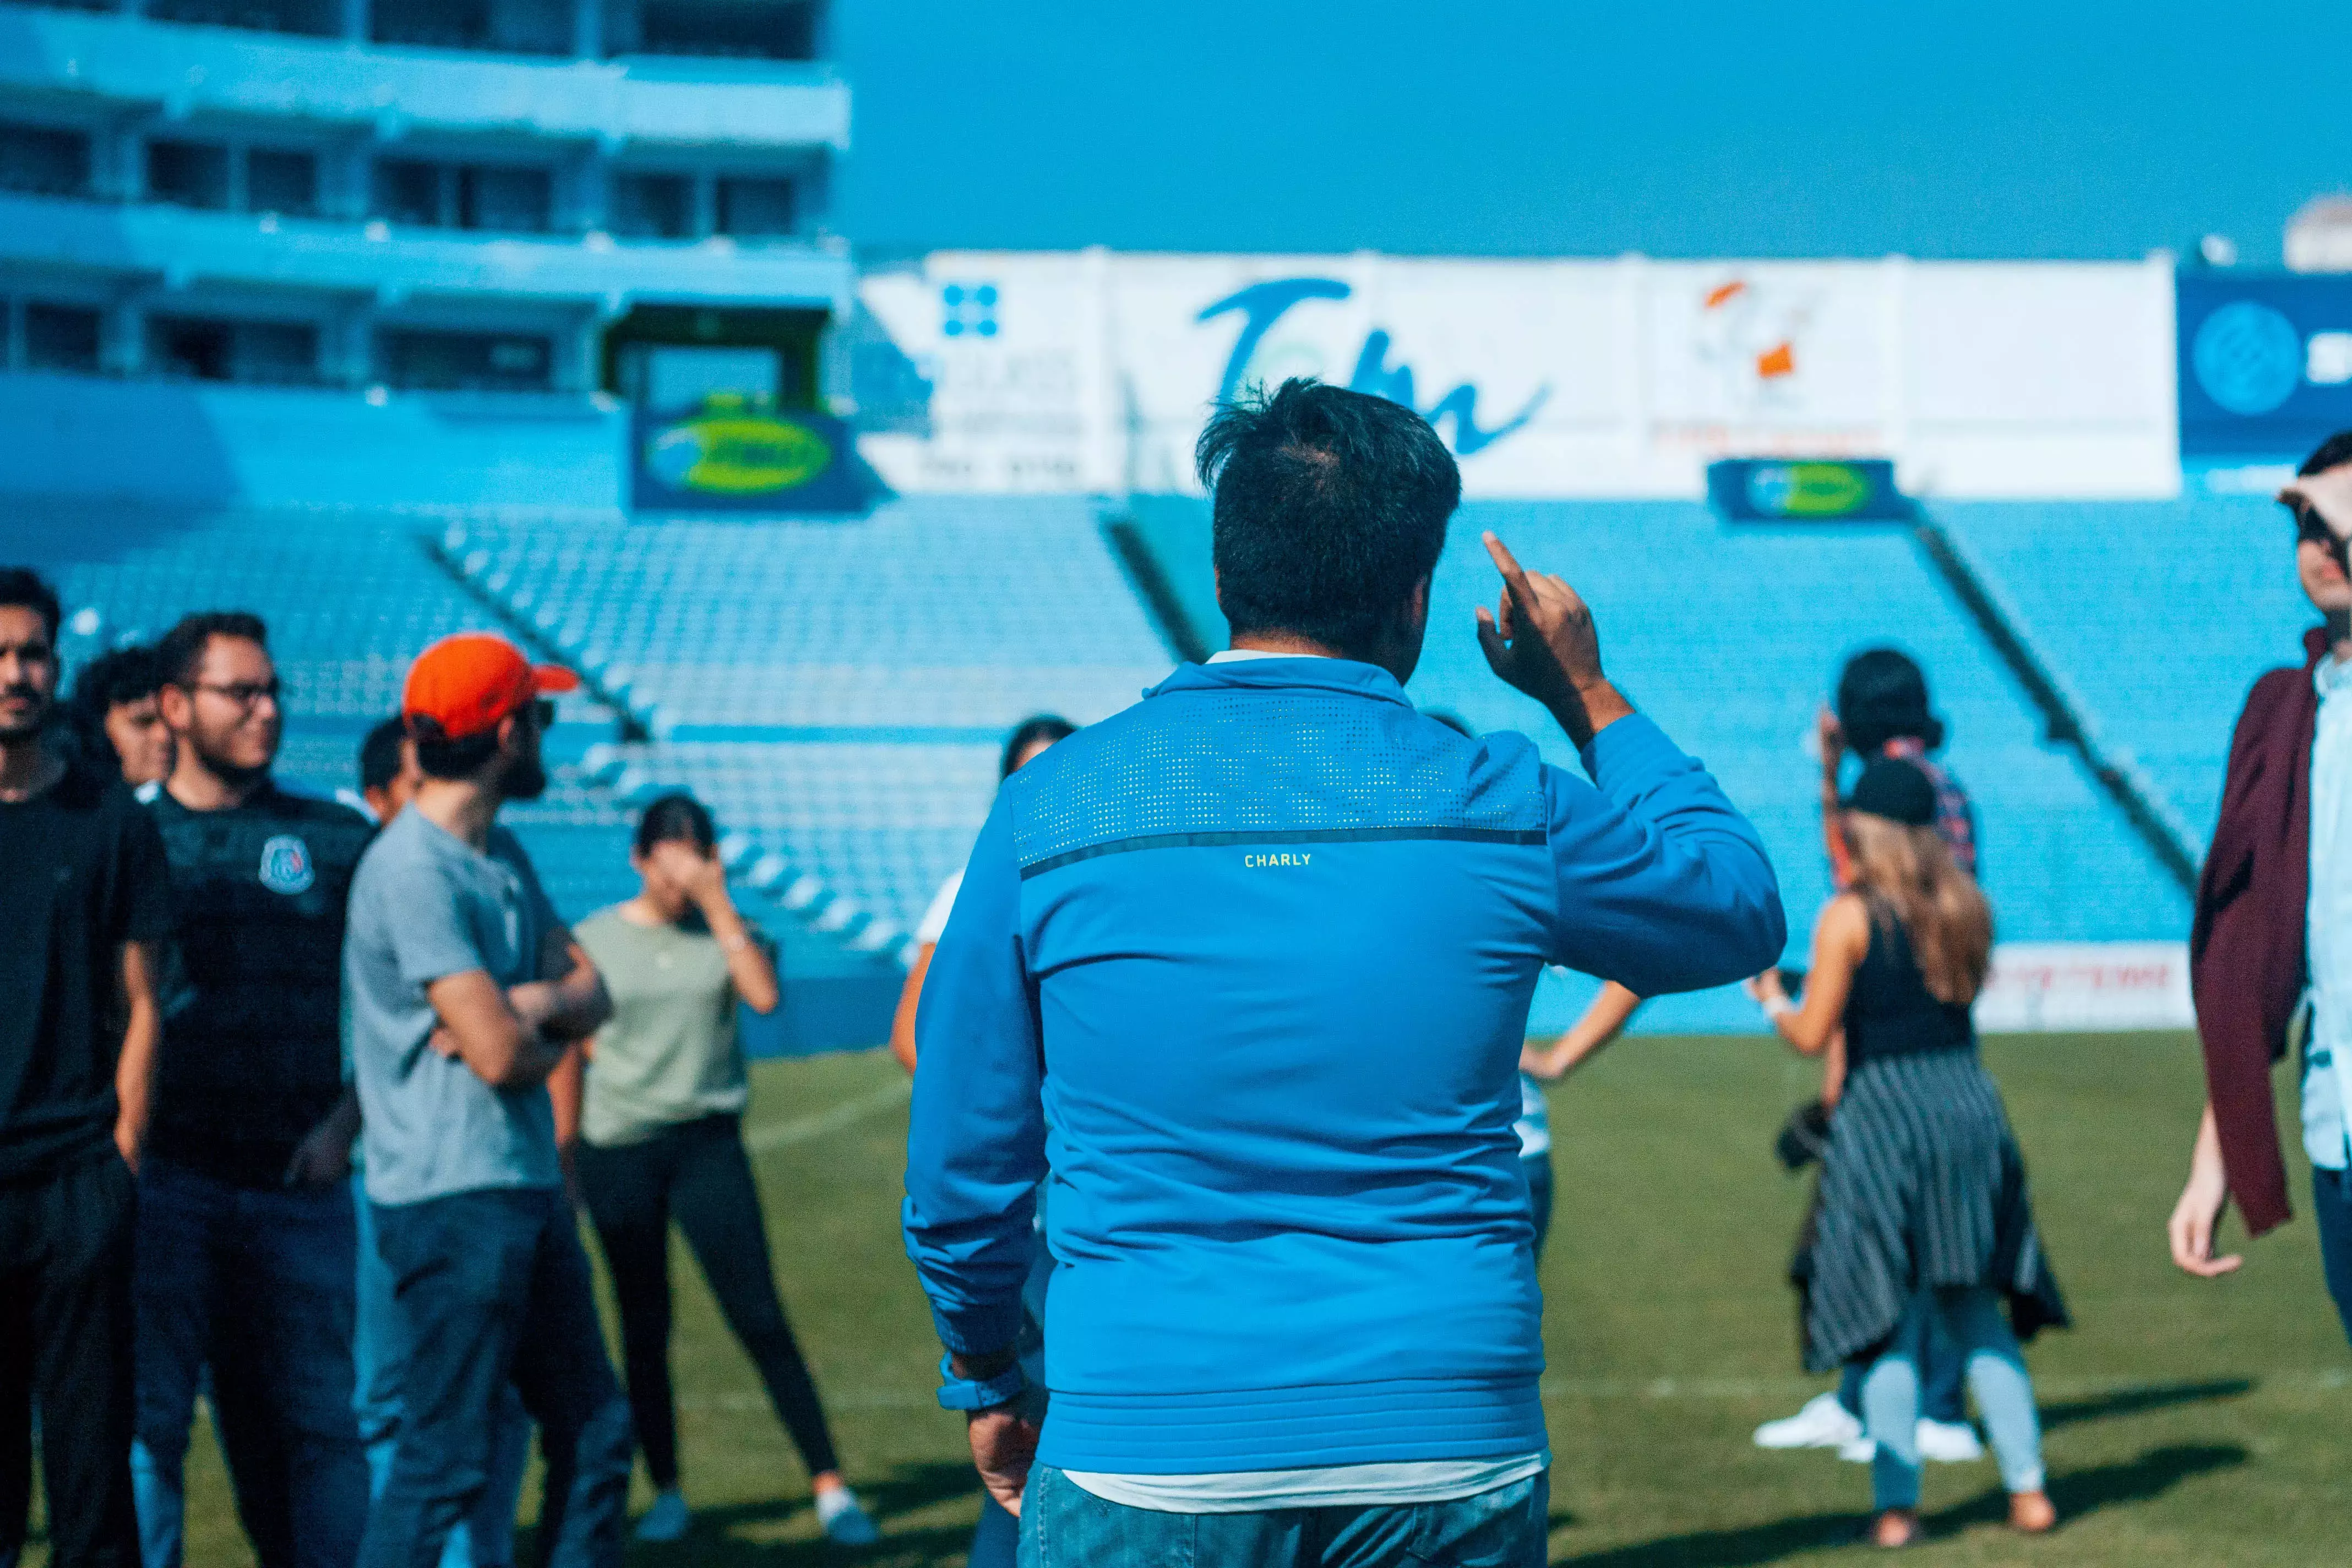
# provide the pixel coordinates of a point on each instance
(1890, 1394)
(1065, 1526)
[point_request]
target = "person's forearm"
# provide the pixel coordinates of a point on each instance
(748, 965)
(911, 996)
(563, 1089)
(579, 1005)
(134, 1079)
(1589, 710)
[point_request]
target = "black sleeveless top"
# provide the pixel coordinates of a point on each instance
(1890, 1012)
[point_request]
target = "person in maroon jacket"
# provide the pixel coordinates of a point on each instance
(2273, 922)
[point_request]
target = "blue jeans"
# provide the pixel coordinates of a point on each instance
(1996, 1369)
(259, 1284)
(491, 1288)
(484, 1537)
(1941, 1375)
(1065, 1526)
(2331, 1210)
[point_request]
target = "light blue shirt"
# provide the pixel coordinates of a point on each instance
(2328, 922)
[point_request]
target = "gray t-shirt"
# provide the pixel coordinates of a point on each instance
(425, 905)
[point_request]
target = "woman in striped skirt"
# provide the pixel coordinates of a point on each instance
(1924, 1207)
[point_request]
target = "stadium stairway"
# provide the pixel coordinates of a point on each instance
(1732, 638)
(2153, 618)
(349, 597)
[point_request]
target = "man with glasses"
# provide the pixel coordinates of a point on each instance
(2274, 928)
(465, 991)
(247, 1251)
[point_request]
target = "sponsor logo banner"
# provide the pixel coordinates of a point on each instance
(1094, 371)
(734, 454)
(2265, 363)
(2062, 986)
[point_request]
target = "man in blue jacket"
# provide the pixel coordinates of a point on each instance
(1243, 973)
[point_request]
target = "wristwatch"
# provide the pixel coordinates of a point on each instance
(980, 1393)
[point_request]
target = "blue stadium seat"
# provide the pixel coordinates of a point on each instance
(2154, 617)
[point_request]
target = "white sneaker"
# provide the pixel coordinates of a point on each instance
(1859, 1450)
(845, 1523)
(1824, 1422)
(667, 1520)
(1949, 1443)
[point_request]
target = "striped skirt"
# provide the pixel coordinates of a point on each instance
(1922, 1187)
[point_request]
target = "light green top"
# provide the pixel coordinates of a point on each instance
(671, 1052)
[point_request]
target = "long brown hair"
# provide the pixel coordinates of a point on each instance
(1908, 874)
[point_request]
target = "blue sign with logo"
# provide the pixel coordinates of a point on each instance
(1807, 490)
(739, 454)
(2265, 363)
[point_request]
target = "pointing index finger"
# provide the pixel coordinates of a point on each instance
(1513, 577)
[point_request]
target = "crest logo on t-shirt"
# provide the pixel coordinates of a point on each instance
(286, 866)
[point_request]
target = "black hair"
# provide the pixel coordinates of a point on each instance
(1330, 508)
(112, 678)
(1882, 696)
(23, 588)
(380, 755)
(442, 758)
(1047, 727)
(2332, 453)
(180, 652)
(674, 818)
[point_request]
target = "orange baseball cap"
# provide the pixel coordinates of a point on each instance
(464, 684)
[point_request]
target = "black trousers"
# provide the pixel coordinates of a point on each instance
(64, 1341)
(697, 1173)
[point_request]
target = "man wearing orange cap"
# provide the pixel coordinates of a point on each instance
(465, 989)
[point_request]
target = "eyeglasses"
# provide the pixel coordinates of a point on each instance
(2310, 527)
(244, 693)
(542, 712)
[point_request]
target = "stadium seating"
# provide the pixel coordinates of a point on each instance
(1732, 637)
(2154, 619)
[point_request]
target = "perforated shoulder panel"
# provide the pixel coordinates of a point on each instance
(1256, 765)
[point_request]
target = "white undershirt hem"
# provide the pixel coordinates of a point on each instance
(1322, 1486)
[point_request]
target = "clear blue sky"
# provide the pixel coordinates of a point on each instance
(2064, 129)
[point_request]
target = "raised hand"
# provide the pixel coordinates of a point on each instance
(699, 876)
(1540, 637)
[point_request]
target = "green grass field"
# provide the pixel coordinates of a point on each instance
(2189, 1423)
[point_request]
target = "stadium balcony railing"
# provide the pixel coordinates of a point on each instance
(179, 70)
(2153, 616)
(376, 260)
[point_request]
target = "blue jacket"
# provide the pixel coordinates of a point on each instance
(1247, 969)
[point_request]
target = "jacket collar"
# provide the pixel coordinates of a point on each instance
(1346, 675)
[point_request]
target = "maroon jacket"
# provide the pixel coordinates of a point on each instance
(2246, 949)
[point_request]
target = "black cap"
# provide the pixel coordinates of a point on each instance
(1896, 790)
(1881, 695)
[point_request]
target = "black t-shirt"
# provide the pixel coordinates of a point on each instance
(252, 1056)
(81, 873)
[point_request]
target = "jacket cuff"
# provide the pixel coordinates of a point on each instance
(977, 1330)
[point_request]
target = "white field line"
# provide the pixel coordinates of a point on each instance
(816, 1124)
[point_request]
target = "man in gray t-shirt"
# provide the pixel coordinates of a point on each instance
(464, 992)
(426, 905)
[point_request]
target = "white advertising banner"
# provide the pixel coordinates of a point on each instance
(2065, 986)
(1094, 371)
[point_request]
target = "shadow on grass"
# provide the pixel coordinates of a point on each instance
(2136, 1401)
(712, 1540)
(2077, 1494)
